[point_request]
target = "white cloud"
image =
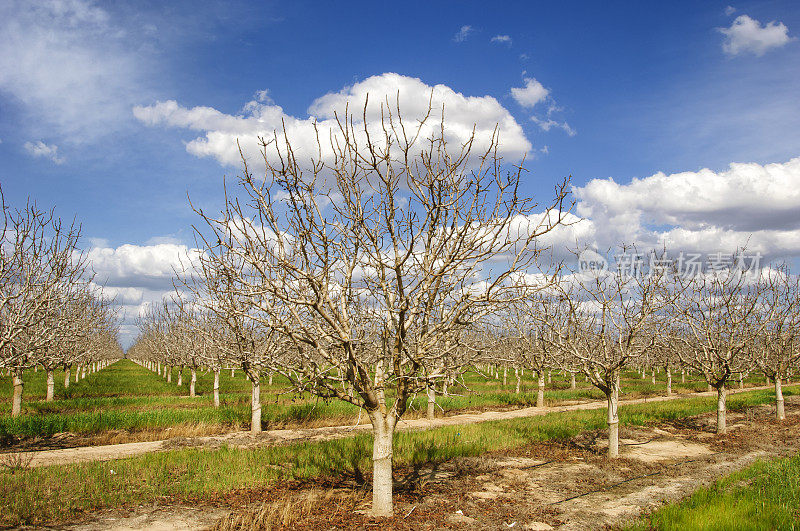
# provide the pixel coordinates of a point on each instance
(463, 33)
(261, 119)
(747, 204)
(141, 266)
(40, 149)
(503, 39)
(548, 123)
(532, 93)
(136, 277)
(72, 68)
(730, 10)
(748, 35)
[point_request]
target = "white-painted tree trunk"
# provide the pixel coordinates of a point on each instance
(540, 393)
(613, 423)
(549, 377)
(270, 377)
(669, 381)
(683, 376)
(66, 377)
(721, 425)
(572, 384)
(193, 382)
(653, 379)
(169, 374)
(779, 410)
(233, 372)
(51, 386)
(216, 387)
(519, 380)
(505, 375)
(180, 377)
(255, 406)
(382, 450)
(16, 399)
(431, 392)
(741, 381)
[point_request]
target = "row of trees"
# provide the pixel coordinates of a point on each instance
(50, 313)
(399, 258)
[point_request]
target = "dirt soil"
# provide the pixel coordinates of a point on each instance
(61, 456)
(568, 485)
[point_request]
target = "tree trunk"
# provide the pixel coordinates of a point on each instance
(683, 376)
(519, 380)
(16, 400)
(549, 377)
(51, 385)
(721, 426)
(613, 423)
(270, 377)
(653, 379)
(741, 381)
(83, 372)
(169, 374)
(669, 381)
(216, 387)
(66, 376)
(180, 376)
(255, 406)
(505, 375)
(540, 393)
(77, 373)
(572, 384)
(383, 430)
(192, 382)
(779, 410)
(431, 391)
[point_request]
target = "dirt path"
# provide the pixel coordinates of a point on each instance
(273, 437)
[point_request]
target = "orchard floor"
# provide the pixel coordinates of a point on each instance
(568, 485)
(61, 456)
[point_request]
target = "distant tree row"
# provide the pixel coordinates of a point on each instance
(51, 316)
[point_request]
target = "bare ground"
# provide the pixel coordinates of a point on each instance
(275, 437)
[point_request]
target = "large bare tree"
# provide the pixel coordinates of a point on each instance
(368, 257)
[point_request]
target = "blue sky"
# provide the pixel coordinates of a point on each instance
(619, 90)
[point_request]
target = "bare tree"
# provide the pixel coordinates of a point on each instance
(37, 257)
(716, 321)
(399, 224)
(604, 329)
(776, 351)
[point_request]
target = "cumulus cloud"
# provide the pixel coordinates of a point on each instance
(136, 277)
(463, 33)
(532, 93)
(502, 39)
(40, 149)
(261, 118)
(749, 35)
(140, 266)
(747, 204)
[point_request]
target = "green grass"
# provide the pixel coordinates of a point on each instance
(50, 494)
(126, 396)
(763, 496)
